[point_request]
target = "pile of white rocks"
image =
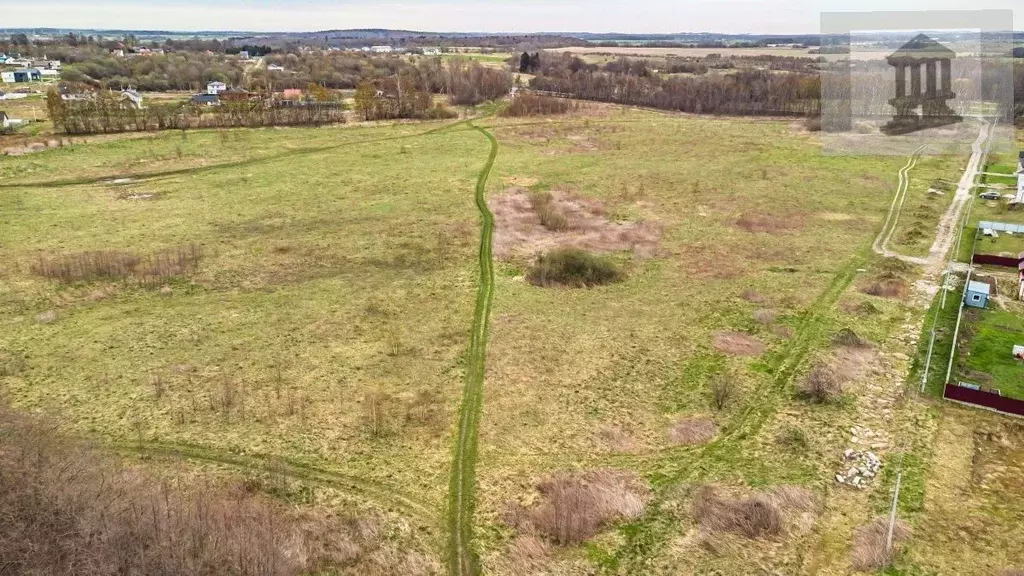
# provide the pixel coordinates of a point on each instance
(860, 468)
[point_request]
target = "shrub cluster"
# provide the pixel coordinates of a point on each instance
(573, 268)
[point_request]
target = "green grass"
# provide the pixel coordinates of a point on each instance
(462, 556)
(993, 334)
(344, 269)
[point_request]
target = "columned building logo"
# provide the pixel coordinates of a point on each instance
(922, 54)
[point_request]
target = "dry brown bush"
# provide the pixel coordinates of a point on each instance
(543, 203)
(528, 554)
(737, 344)
(887, 288)
(849, 338)
(151, 270)
(723, 388)
(753, 296)
(821, 386)
(765, 316)
(529, 104)
(67, 509)
(755, 517)
(694, 431)
(575, 507)
(869, 552)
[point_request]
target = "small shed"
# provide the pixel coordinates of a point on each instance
(977, 294)
(206, 99)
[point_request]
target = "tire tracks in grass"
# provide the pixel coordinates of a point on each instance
(375, 492)
(462, 488)
(646, 537)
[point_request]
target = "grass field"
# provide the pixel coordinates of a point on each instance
(332, 325)
(991, 336)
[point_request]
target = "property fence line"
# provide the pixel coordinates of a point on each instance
(985, 400)
(993, 260)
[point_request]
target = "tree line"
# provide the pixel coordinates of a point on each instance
(409, 92)
(105, 114)
(745, 92)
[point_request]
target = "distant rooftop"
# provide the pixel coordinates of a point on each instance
(1001, 227)
(979, 287)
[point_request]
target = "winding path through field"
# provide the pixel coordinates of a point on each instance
(461, 491)
(947, 229)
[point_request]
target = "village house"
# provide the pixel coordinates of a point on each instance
(275, 68)
(22, 75)
(235, 95)
(132, 98)
(382, 49)
(292, 94)
(244, 55)
(49, 73)
(206, 99)
(216, 87)
(6, 121)
(977, 294)
(432, 51)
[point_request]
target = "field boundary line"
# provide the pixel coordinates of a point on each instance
(379, 493)
(462, 489)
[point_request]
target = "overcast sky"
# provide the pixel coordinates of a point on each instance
(636, 16)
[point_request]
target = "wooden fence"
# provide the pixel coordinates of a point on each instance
(987, 400)
(994, 260)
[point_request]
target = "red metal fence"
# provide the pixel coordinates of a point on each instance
(996, 260)
(988, 400)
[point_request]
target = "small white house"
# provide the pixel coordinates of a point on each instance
(216, 87)
(132, 98)
(432, 51)
(49, 73)
(6, 121)
(382, 49)
(7, 77)
(977, 294)
(275, 68)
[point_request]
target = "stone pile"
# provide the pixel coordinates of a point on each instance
(860, 468)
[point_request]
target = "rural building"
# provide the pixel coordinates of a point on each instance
(1020, 180)
(49, 73)
(6, 121)
(216, 87)
(119, 53)
(977, 294)
(292, 94)
(206, 99)
(132, 98)
(244, 55)
(433, 51)
(275, 68)
(27, 75)
(7, 77)
(382, 49)
(235, 95)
